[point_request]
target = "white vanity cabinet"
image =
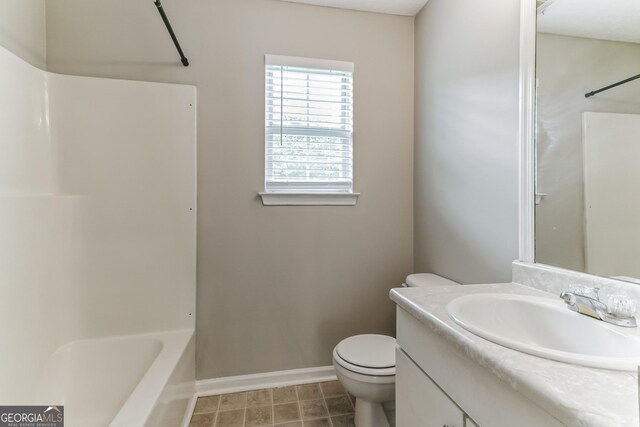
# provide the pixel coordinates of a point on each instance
(438, 385)
(469, 423)
(419, 402)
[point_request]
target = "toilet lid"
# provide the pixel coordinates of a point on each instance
(369, 351)
(427, 280)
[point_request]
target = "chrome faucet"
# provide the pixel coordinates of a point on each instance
(620, 311)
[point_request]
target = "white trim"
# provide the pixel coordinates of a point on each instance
(191, 406)
(308, 199)
(264, 380)
(296, 61)
(527, 130)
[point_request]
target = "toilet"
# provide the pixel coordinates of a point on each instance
(366, 364)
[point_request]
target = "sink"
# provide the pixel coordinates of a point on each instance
(545, 327)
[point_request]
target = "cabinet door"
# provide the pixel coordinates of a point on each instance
(469, 423)
(419, 401)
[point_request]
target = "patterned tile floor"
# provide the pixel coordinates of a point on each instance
(309, 405)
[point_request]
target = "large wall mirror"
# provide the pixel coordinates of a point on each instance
(587, 140)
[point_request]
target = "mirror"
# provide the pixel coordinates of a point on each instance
(587, 183)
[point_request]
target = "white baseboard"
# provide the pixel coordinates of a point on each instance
(264, 380)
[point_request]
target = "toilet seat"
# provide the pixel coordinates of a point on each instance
(368, 354)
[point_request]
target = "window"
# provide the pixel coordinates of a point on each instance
(308, 131)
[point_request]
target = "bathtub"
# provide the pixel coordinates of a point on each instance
(124, 381)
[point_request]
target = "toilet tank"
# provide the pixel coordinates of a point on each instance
(427, 280)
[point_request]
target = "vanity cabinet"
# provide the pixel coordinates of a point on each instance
(439, 385)
(469, 423)
(419, 401)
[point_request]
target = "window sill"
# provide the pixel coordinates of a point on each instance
(309, 199)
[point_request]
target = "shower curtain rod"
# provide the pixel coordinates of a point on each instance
(621, 82)
(183, 58)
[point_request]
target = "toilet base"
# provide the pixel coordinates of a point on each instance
(370, 414)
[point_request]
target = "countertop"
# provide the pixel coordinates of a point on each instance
(575, 395)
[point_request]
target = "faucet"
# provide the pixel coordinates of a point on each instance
(619, 311)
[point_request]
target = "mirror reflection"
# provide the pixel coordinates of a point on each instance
(588, 136)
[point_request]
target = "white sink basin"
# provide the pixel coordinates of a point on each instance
(547, 328)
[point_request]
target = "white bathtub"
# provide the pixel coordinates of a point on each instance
(125, 381)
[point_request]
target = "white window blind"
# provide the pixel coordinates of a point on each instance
(308, 125)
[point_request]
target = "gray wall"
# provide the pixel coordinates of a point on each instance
(466, 139)
(278, 287)
(567, 68)
(23, 29)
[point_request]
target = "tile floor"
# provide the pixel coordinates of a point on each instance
(309, 405)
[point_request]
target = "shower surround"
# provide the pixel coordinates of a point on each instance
(97, 224)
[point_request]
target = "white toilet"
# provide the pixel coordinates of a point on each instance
(366, 364)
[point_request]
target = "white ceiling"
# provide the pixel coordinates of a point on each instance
(597, 19)
(393, 7)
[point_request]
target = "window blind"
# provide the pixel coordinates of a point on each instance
(308, 125)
